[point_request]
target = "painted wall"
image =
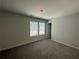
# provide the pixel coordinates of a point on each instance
(16, 30)
(0, 28)
(66, 30)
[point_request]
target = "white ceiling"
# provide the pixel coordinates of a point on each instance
(52, 8)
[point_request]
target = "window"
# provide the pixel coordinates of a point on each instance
(37, 28)
(41, 28)
(33, 28)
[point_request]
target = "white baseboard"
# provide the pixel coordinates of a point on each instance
(33, 41)
(9, 47)
(2, 49)
(12, 46)
(67, 45)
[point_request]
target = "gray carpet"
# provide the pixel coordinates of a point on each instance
(43, 49)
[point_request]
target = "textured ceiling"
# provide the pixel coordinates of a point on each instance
(51, 8)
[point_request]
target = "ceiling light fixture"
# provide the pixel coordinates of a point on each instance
(41, 10)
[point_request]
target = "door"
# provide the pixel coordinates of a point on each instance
(49, 30)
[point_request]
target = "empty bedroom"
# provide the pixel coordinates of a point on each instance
(39, 29)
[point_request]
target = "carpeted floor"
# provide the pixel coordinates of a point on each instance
(43, 49)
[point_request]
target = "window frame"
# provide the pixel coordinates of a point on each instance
(38, 28)
(44, 28)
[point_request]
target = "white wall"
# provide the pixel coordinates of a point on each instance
(15, 30)
(66, 30)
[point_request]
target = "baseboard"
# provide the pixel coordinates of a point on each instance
(17, 45)
(35, 41)
(12, 46)
(67, 45)
(3, 49)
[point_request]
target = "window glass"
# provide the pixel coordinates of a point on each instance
(33, 28)
(41, 28)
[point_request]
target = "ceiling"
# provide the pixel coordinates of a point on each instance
(47, 9)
